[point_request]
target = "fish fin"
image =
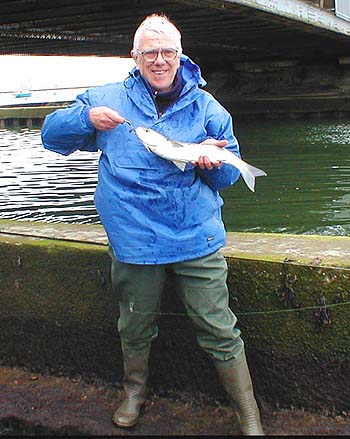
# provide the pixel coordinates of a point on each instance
(177, 144)
(180, 165)
(249, 173)
(147, 147)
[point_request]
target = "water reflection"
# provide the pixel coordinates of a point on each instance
(40, 185)
(307, 189)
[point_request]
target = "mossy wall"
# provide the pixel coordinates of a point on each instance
(56, 306)
(295, 320)
(58, 315)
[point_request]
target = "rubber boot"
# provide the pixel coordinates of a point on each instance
(135, 378)
(238, 384)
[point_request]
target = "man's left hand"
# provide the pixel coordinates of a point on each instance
(203, 161)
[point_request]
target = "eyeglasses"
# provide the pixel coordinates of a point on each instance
(168, 54)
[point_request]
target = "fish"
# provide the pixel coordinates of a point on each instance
(181, 153)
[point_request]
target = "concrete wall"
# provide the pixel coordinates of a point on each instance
(25, 117)
(58, 315)
(284, 89)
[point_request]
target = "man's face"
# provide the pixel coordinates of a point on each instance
(160, 73)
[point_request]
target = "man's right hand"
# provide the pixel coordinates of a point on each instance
(104, 118)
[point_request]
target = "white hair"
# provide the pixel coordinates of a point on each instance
(159, 24)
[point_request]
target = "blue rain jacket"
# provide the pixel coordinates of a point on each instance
(153, 213)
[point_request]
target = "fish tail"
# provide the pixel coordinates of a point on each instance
(249, 173)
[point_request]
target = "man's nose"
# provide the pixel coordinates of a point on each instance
(159, 59)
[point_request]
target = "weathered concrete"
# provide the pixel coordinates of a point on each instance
(292, 299)
(309, 249)
(300, 11)
(25, 117)
(284, 89)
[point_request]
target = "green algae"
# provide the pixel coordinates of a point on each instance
(69, 282)
(284, 320)
(66, 282)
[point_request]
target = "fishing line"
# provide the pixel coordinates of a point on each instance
(251, 313)
(282, 311)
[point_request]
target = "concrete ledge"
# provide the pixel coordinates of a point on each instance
(26, 116)
(25, 112)
(290, 293)
(309, 249)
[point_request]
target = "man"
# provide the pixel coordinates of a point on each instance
(157, 217)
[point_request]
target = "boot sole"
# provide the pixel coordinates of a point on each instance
(130, 425)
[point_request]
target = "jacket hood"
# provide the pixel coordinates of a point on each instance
(191, 70)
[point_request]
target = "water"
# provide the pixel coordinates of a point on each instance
(307, 190)
(39, 185)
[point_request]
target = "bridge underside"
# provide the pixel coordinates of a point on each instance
(258, 59)
(214, 32)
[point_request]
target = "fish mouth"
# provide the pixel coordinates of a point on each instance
(130, 125)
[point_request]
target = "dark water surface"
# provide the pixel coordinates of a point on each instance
(307, 190)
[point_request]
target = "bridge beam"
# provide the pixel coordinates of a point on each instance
(300, 11)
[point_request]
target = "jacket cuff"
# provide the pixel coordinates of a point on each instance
(85, 116)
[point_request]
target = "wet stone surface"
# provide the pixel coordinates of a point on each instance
(33, 404)
(326, 250)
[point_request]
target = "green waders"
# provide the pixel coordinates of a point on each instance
(135, 378)
(236, 379)
(201, 285)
